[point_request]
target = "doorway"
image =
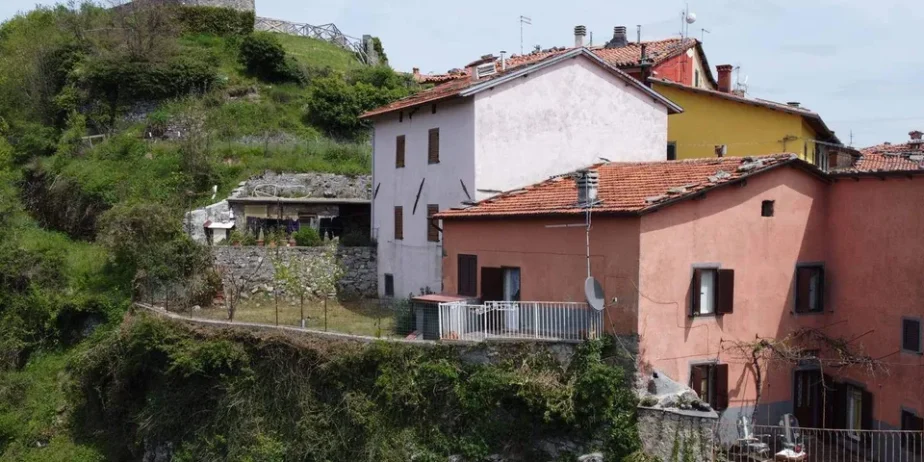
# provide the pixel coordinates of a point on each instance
(807, 395)
(512, 294)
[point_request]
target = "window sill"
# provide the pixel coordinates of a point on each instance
(707, 315)
(807, 313)
(912, 352)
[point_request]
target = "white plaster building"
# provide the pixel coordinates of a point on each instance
(499, 130)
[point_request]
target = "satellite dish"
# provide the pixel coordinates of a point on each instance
(691, 17)
(594, 293)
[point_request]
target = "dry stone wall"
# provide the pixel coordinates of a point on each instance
(673, 434)
(359, 265)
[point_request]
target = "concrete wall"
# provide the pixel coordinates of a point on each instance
(559, 119)
(358, 262)
(552, 261)
(875, 273)
(415, 262)
(726, 229)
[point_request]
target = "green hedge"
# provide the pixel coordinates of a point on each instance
(215, 20)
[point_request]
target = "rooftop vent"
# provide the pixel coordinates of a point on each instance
(587, 184)
(484, 70)
(793, 104)
(619, 38)
(579, 33)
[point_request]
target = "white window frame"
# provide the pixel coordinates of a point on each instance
(854, 412)
(707, 295)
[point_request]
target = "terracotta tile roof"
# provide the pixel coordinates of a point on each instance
(623, 57)
(455, 88)
(888, 157)
(812, 118)
(625, 187)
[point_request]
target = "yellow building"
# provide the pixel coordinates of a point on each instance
(720, 122)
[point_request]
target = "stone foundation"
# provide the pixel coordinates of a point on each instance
(673, 434)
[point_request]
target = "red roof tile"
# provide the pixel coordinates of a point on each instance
(625, 187)
(888, 158)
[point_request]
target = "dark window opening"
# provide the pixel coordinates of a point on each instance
(911, 335)
(810, 287)
(671, 151)
(710, 382)
(713, 291)
(433, 146)
(400, 116)
(911, 422)
(399, 223)
(399, 151)
(467, 276)
(766, 209)
(389, 285)
(433, 232)
(433, 109)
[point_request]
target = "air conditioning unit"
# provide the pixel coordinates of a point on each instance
(485, 70)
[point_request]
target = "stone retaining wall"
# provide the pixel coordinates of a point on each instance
(673, 434)
(359, 265)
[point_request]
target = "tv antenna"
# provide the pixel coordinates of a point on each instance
(703, 33)
(527, 21)
(687, 17)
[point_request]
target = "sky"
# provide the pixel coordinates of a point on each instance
(860, 64)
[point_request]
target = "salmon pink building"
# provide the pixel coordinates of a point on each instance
(698, 258)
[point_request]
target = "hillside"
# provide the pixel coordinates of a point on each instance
(112, 124)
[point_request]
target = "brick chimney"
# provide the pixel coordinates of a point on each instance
(579, 33)
(916, 142)
(724, 71)
(417, 74)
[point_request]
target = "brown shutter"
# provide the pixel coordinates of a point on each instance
(433, 233)
(399, 223)
(696, 381)
(696, 287)
(721, 386)
(725, 297)
(866, 411)
(803, 281)
(433, 146)
(492, 284)
(468, 275)
(399, 151)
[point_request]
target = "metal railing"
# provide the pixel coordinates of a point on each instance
(519, 320)
(828, 445)
(327, 32)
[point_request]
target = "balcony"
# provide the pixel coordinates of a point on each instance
(503, 320)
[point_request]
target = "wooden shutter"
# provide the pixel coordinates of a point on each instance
(433, 233)
(697, 373)
(696, 287)
(866, 410)
(911, 335)
(467, 276)
(721, 387)
(492, 284)
(803, 281)
(725, 295)
(399, 151)
(433, 146)
(399, 223)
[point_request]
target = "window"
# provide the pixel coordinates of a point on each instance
(433, 109)
(400, 116)
(399, 223)
(671, 151)
(433, 146)
(713, 291)
(766, 209)
(710, 382)
(399, 151)
(389, 285)
(810, 286)
(467, 275)
(911, 335)
(696, 78)
(854, 411)
(910, 421)
(433, 232)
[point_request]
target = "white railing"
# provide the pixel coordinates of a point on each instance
(519, 320)
(827, 445)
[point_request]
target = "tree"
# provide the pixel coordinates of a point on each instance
(294, 278)
(265, 58)
(235, 285)
(324, 272)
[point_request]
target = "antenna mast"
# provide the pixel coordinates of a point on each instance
(524, 20)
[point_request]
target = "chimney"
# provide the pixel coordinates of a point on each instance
(724, 71)
(587, 183)
(503, 60)
(916, 142)
(579, 33)
(417, 74)
(619, 38)
(793, 104)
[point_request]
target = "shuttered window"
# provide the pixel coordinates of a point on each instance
(389, 285)
(433, 233)
(399, 223)
(399, 151)
(671, 151)
(710, 382)
(810, 287)
(713, 291)
(911, 335)
(468, 275)
(433, 146)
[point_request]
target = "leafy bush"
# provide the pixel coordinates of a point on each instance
(307, 237)
(265, 58)
(123, 82)
(217, 21)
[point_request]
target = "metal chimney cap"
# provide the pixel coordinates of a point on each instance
(580, 30)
